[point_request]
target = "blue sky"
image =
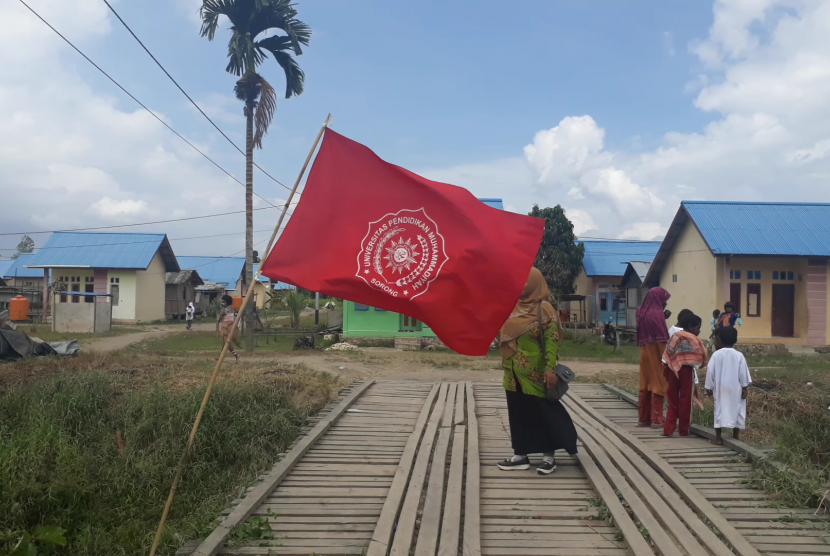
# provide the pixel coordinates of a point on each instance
(616, 110)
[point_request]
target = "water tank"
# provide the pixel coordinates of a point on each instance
(237, 303)
(19, 309)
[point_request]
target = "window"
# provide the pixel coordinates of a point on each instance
(775, 274)
(789, 275)
(115, 280)
(603, 303)
(753, 274)
(76, 288)
(735, 296)
(89, 288)
(674, 277)
(379, 309)
(114, 290)
(753, 300)
(361, 307)
(736, 274)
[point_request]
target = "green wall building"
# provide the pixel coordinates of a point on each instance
(363, 321)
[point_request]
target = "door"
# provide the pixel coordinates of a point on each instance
(409, 324)
(783, 310)
(735, 296)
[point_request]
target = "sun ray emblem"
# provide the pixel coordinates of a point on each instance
(401, 255)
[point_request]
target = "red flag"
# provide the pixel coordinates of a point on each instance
(375, 233)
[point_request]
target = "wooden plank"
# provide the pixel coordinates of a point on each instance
(459, 405)
(690, 494)
(217, 538)
(448, 410)
(668, 506)
(662, 541)
(635, 542)
(471, 545)
(451, 525)
(431, 516)
(382, 535)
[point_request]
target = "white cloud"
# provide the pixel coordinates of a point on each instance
(668, 43)
(570, 157)
(581, 220)
(644, 230)
(817, 152)
(109, 207)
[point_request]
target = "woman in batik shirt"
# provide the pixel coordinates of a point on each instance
(537, 425)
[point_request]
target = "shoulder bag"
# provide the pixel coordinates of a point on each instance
(564, 374)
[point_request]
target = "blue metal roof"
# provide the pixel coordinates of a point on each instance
(265, 280)
(104, 250)
(221, 270)
(495, 203)
(4, 265)
(610, 258)
(18, 268)
(789, 229)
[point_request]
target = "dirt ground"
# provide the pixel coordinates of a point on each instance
(367, 363)
(114, 343)
(392, 364)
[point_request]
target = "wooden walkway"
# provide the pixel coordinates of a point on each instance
(716, 472)
(408, 468)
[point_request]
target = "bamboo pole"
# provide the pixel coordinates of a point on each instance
(225, 348)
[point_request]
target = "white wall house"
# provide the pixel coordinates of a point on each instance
(130, 267)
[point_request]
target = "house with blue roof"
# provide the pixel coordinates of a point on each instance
(603, 268)
(768, 259)
(128, 267)
(17, 273)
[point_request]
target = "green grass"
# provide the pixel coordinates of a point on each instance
(60, 463)
(583, 346)
(207, 341)
(44, 332)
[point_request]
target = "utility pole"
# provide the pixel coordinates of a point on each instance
(317, 309)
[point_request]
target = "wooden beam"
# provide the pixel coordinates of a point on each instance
(631, 535)
(472, 495)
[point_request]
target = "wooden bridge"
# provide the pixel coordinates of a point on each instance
(408, 468)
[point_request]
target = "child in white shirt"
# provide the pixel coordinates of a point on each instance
(727, 380)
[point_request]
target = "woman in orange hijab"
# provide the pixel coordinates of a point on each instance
(537, 426)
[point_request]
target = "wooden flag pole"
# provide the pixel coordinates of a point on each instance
(226, 347)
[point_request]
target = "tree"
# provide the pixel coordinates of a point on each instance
(256, 257)
(26, 245)
(251, 19)
(560, 257)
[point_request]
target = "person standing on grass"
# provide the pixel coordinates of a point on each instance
(677, 328)
(684, 353)
(529, 352)
(224, 323)
(680, 316)
(652, 335)
(729, 317)
(727, 380)
(189, 313)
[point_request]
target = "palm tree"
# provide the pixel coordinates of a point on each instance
(251, 19)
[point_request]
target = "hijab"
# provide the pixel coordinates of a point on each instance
(651, 322)
(191, 305)
(524, 317)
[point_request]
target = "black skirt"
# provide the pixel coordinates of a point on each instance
(539, 426)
